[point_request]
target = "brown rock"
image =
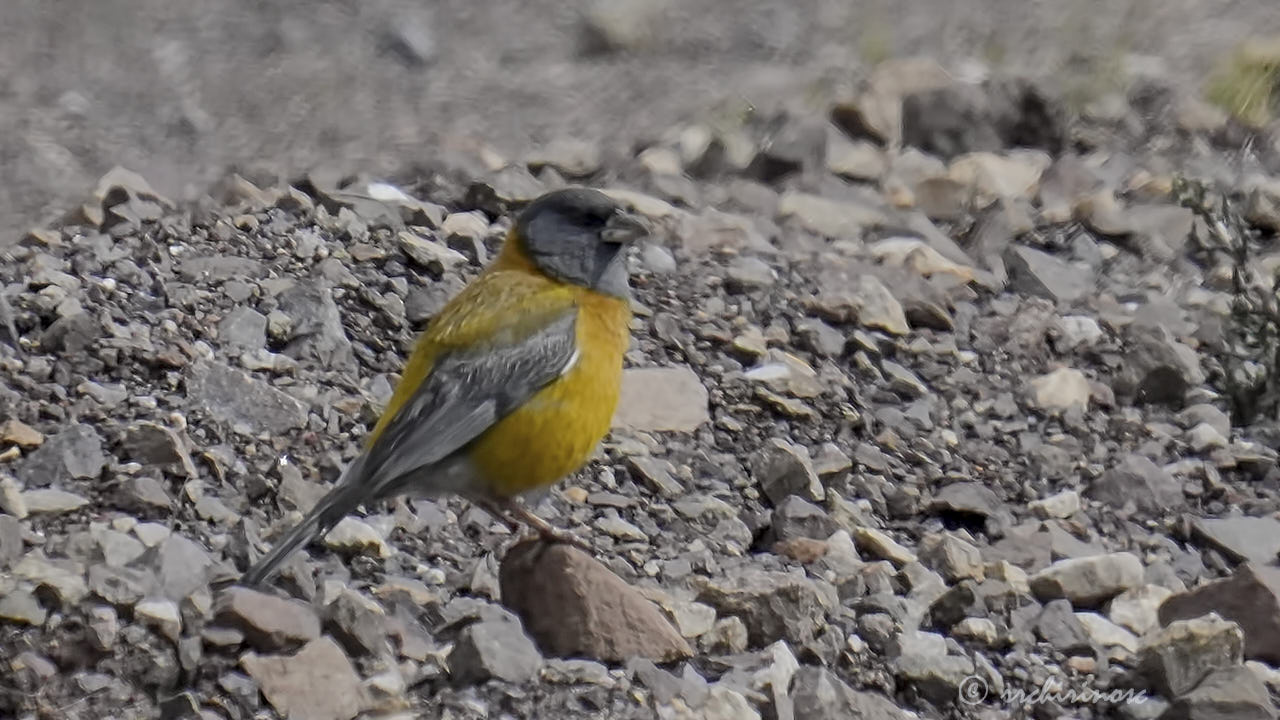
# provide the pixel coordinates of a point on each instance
(317, 683)
(574, 606)
(267, 621)
(1250, 597)
(19, 433)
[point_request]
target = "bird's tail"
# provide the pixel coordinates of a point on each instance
(340, 501)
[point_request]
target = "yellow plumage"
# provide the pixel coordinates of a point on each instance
(555, 431)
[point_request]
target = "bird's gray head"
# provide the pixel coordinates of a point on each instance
(580, 236)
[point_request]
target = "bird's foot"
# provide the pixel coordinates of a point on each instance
(545, 530)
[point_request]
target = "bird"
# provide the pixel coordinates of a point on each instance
(512, 384)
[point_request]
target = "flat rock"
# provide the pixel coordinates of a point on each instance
(1036, 272)
(494, 649)
(661, 399)
(773, 605)
(819, 694)
(318, 682)
(1232, 692)
(1138, 480)
(234, 397)
(267, 621)
(574, 606)
(315, 332)
(354, 536)
(830, 218)
(73, 454)
(52, 500)
(1138, 609)
(1250, 598)
(1242, 539)
(1088, 581)
(1062, 389)
(853, 294)
(1176, 658)
(783, 468)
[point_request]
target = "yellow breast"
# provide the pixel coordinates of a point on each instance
(555, 432)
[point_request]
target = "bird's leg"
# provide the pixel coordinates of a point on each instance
(546, 530)
(498, 511)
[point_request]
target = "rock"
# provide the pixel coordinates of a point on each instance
(772, 605)
(63, 579)
(902, 381)
(1088, 581)
(747, 273)
(819, 694)
(608, 26)
(1060, 505)
(1242, 539)
(1233, 692)
(1176, 658)
(728, 636)
(20, 607)
(855, 159)
(966, 499)
(1062, 389)
(1016, 174)
(1105, 634)
(1138, 609)
(10, 540)
(1262, 207)
(51, 500)
(1250, 598)
(73, 454)
(937, 677)
(1138, 480)
(980, 630)
(830, 218)
(880, 545)
(182, 567)
(162, 614)
(952, 557)
(494, 649)
(357, 622)
(123, 587)
(1061, 628)
(783, 468)
(16, 432)
(243, 328)
(268, 622)
(315, 333)
(794, 144)
(846, 295)
(1158, 369)
(795, 518)
(1070, 332)
(356, 537)
(658, 475)
(573, 606)
(1038, 273)
(233, 397)
(152, 444)
(317, 683)
(661, 399)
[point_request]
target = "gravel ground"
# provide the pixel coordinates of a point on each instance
(933, 407)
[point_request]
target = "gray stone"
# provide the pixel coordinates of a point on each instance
(1138, 480)
(494, 649)
(1242, 539)
(1061, 628)
(1250, 598)
(1233, 693)
(1038, 273)
(797, 518)
(772, 605)
(267, 621)
(243, 328)
(316, 332)
(1088, 581)
(317, 683)
(783, 468)
(233, 397)
(73, 454)
(661, 399)
(818, 694)
(182, 567)
(1176, 658)
(20, 607)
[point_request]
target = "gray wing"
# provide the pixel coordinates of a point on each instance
(464, 394)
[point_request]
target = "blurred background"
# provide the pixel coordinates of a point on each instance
(182, 91)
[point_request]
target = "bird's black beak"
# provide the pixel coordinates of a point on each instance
(625, 227)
